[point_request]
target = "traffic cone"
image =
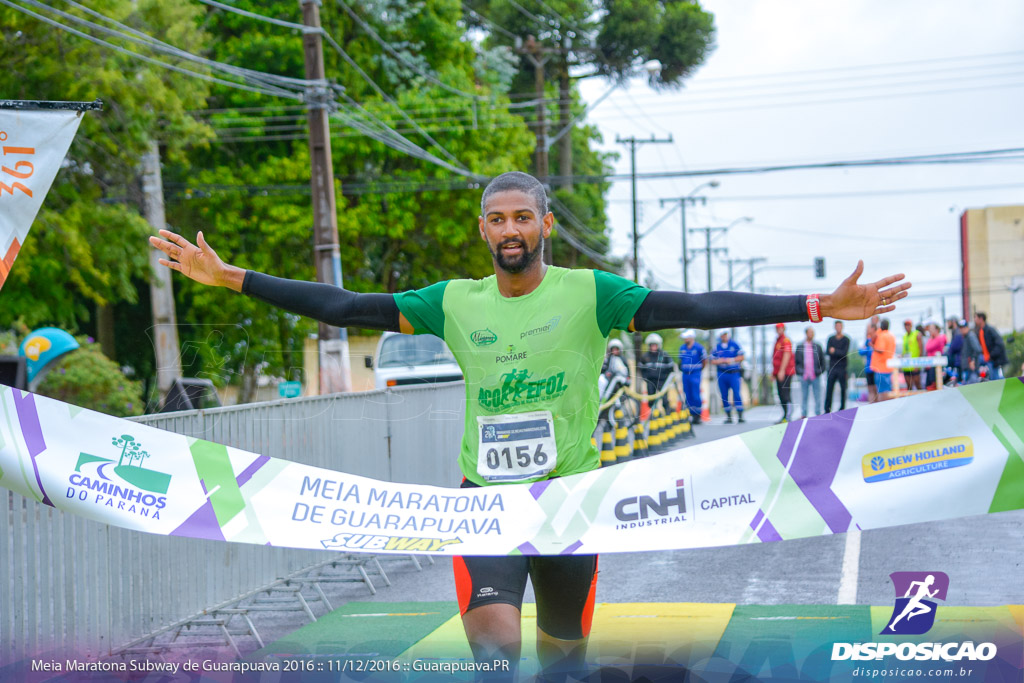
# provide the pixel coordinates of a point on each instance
(705, 415)
(607, 446)
(622, 451)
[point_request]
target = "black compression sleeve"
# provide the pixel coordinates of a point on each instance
(662, 310)
(326, 303)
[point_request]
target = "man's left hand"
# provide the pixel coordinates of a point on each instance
(852, 301)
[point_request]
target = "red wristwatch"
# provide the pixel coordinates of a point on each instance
(814, 308)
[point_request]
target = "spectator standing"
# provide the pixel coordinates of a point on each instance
(913, 347)
(971, 349)
(838, 346)
(953, 349)
(727, 358)
(993, 350)
(692, 361)
(656, 367)
(883, 348)
(783, 367)
(865, 351)
(810, 364)
(933, 346)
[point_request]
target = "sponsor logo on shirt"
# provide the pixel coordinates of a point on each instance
(510, 355)
(519, 387)
(546, 327)
(483, 337)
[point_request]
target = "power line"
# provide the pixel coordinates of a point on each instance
(260, 17)
(351, 62)
(128, 33)
(264, 90)
(394, 53)
(496, 27)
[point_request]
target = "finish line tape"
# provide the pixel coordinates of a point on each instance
(942, 455)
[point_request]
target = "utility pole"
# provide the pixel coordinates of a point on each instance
(633, 143)
(684, 201)
(335, 368)
(538, 56)
(161, 291)
(708, 250)
(750, 262)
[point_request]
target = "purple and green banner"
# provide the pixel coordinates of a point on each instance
(926, 458)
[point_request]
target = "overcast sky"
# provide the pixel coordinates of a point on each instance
(813, 80)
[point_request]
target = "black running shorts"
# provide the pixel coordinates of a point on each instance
(563, 584)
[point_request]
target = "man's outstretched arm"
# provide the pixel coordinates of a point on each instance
(326, 303)
(850, 301)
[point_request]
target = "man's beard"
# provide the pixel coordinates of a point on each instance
(517, 263)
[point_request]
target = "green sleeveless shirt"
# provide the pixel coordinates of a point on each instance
(539, 351)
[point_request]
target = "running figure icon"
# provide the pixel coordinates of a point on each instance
(915, 607)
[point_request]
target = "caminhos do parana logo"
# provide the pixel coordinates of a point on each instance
(120, 484)
(919, 458)
(483, 337)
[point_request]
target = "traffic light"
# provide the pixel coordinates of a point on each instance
(819, 267)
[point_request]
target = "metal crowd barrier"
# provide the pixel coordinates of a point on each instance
(75, 586)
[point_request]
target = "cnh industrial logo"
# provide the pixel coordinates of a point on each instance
(914, 614)
(667, 507)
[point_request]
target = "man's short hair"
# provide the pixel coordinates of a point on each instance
(981, 315)
(519, 182)
(884, 323)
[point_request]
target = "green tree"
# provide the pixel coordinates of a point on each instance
(87, 378)
(250, 194)
(87, 247)
(612, 38)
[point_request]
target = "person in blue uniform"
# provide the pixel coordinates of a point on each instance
(727, 358)
(692, 360)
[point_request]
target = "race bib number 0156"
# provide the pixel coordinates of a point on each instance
(516, 447)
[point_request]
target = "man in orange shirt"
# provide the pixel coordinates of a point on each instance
(884, 348)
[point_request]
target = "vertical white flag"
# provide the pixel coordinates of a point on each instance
(33, 144)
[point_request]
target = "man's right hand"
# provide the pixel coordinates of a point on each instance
(199, 263)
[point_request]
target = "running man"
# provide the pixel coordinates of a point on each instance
(558, 366)
(915, 607)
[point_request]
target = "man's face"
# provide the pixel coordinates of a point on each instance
(908, 326)
(614, 351)
(870, 332)
(978, 321)
(724, 338)
(513, 230)
(688, 341)
(653, 348)
(810, 333)
(839, 328)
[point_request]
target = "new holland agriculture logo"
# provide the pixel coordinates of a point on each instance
(913, 615)
(120, 484)
(350, 541)
(919, 458)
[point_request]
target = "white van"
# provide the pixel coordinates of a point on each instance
(404, 359)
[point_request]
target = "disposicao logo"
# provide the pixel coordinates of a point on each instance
(919, 458)
(914, 614)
